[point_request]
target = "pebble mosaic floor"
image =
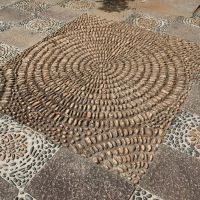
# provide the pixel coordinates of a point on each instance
(105, 112)
(7, 52)
(184, 134)
(115, 113)
(22, 152)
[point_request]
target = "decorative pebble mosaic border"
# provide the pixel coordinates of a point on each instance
(30, 6)
(4, 26)
(195, 22)
(148, 22)
(24, 196)
(184, 134)
(7, 52)
(43, 25)
(23, 152)
(141, 194)
(157, 24)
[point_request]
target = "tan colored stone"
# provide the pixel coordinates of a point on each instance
(20, 37)
(7, 2)
(62, 14)
(13, 15)
(166, 7)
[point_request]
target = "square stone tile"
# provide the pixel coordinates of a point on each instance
(173, 175)
(166, 7)
(20, 37)
(68, 176)
(184, 31)
(7, 191)
(184, 134)
(23, 152)
(4, 3)
(192, 103)
(7, 52)
(61, 14)
(9, 14)
(82, 5)
(142, 194)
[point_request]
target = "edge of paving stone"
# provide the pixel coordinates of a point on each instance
(156, 160)
(81, 160)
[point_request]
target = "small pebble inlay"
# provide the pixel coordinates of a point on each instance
(22, 152)
(184, 134)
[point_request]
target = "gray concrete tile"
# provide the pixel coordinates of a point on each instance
(173, 175)
(7, 191)
(68, 176)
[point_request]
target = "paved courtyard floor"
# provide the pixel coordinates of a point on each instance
(99, 100)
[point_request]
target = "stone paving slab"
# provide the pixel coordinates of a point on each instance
(13, 15)
(166, 7)
(68, 176)
(173, 175)
(20, 37)
(4, 3)
(183, 31)
(7, 191)
(61, 14)
(192, 103)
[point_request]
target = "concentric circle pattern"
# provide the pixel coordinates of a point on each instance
(148, 22)
(107, 90)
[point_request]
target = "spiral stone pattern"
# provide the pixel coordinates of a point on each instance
(107, 90)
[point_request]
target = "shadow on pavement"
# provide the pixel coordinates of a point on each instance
(113, 5)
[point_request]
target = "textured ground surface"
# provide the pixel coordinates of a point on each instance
(117, 85)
